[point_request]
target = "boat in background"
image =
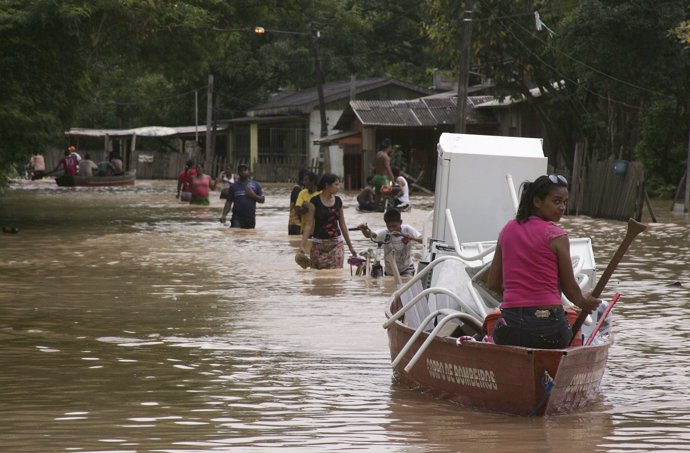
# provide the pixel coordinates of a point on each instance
(439, 322)
(126, 179)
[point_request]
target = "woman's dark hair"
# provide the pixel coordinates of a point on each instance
(328, 178)
(540, 188)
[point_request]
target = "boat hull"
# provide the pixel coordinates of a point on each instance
(127, 179)
(505, 379)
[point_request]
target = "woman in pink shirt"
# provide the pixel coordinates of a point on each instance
(531, 267)
(199, 185)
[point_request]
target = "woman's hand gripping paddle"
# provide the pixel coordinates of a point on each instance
(602, 318)
(634, 228)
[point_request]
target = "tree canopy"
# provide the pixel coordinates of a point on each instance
(616, 71)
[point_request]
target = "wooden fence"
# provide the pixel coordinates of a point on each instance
(612, 189)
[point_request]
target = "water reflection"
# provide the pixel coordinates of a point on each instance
(131, 322)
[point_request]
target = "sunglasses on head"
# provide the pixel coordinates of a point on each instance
(555, 179)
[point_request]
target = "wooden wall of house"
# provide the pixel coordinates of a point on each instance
(607, 192)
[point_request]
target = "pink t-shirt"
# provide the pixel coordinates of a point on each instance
(200, 186)
(530, 267)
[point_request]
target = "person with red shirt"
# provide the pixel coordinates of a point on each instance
(183, 180)
(69, 164)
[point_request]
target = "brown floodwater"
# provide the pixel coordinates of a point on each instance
(131, 322)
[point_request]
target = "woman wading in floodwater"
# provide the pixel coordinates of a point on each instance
(327, 221)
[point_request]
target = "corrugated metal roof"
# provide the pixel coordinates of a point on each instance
(147, 131)
(422, 112)
(305, 101)
(492, 102)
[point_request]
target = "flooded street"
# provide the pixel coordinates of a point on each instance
(131, 322)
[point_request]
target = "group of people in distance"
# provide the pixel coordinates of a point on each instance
(241, 195)
(72, 164)
(396, 194)
(387, 187)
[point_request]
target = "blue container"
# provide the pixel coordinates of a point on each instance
(620, 167)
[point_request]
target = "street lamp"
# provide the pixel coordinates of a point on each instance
(315, 35)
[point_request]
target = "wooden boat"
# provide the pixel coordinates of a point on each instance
(437, 321)
(506, 379)
(127, 179)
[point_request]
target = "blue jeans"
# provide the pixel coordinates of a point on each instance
(533, 327)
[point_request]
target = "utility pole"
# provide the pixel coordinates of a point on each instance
(209, 117)
(687, 176)
(323, 149)
(464, 73)
(315, 35)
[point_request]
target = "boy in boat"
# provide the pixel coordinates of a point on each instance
(105, 168)
(69, 164)
(530, 268)
(397, 242)
(118, 165)
(87, 166)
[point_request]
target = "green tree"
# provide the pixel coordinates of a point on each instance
(619, 62)
(106, 63)
(37, 86)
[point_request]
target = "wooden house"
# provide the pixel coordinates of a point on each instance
(415, 126)
(277, 138)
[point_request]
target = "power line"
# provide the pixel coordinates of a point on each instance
(609, 76)
(561, 75)
(564, 77)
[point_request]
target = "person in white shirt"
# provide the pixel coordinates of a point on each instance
(397, 242)
(38, 166)
(402, 202)
(87, 166)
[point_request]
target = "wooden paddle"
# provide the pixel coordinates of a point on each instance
(634, 228)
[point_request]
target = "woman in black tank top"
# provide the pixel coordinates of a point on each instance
(327, 221)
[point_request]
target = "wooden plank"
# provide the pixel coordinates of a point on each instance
(412, 181)
(649, 206)
(423, 189)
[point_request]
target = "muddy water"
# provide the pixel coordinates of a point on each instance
(130, 322)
